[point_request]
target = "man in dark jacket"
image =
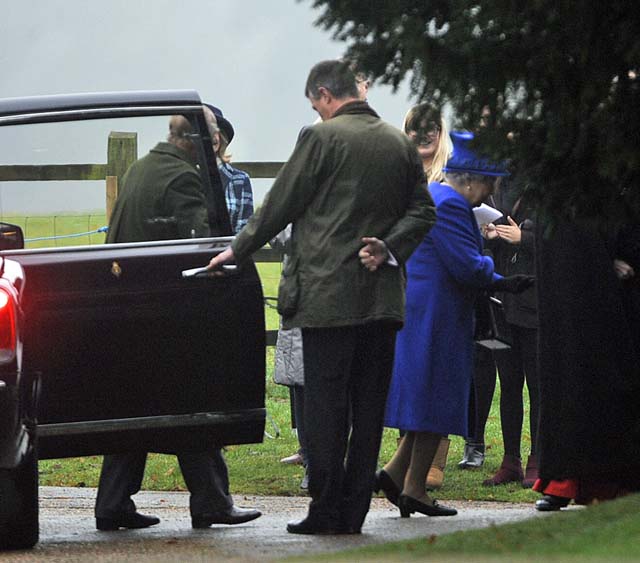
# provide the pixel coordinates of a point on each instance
(162, 198)
(355, 193)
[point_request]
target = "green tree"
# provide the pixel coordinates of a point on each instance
(560, 80)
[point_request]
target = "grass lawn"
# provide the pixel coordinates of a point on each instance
(42, 226)
(255, 468)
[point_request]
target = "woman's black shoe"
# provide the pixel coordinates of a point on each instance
(409, 505)
(385, 484)
(549, 503)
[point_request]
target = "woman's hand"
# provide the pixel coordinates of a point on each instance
(489, 231)
(511, 232)
(373, 254)
(623, 270)
(516, 283)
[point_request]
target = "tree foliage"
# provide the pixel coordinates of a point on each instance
(560, 80)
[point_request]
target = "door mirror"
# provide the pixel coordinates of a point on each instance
(11, 237)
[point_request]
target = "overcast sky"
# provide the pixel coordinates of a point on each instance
(249, 57)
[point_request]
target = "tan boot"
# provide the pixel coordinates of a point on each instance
(435, 478)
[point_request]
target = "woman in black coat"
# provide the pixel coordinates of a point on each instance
(514, 246)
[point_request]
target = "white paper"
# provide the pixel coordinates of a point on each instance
(486, 214)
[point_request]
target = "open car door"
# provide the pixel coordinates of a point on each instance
(130, 354)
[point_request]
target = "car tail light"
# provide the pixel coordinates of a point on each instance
(7, 327)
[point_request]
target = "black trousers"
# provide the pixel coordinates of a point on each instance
(484, 384)
(513, 369)
(347, 369)
(205, 474)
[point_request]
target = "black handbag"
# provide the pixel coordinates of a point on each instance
(492, 329)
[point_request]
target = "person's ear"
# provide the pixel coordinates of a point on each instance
(325, 94)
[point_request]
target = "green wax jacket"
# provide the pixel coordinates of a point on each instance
(160, 197)
(349, 177)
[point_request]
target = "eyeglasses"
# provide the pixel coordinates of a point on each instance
(426, 133)
(425, 139)
(431, 129)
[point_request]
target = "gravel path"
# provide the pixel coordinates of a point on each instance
(67, 529)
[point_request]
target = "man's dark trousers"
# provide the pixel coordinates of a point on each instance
(205, 474)
(347, 369)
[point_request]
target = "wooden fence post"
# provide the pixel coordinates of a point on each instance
(112, 194)
(122, 152)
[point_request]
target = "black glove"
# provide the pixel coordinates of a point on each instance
(513, 284)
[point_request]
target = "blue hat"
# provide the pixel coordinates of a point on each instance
(464, 159)
(223, 123)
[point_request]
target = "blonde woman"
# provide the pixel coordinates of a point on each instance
(428, 130)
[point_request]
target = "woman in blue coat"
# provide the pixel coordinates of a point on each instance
(431, 382)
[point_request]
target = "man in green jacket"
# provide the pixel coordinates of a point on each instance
(162, 198)
(355, 193)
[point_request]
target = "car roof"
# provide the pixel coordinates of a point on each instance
(96, 100)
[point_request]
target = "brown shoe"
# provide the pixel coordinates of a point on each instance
(435, 477)
(510, 471)
(531, 472)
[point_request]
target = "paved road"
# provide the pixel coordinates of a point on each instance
(67, 529)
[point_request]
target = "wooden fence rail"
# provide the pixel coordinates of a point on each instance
(122, 151)
(44, 172)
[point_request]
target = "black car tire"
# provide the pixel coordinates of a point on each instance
(21, 529)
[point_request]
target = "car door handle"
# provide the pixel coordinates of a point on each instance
(227, 270)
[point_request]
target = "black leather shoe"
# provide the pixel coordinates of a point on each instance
(549, 503)
(131, 520)
(232, 515)
(409, 505)
(385, 484)
(312, 526)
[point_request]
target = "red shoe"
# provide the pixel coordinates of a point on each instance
(510, 471)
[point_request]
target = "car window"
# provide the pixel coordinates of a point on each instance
(59, 180)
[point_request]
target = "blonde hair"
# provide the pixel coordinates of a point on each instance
(416, 119)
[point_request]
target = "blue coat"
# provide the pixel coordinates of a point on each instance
(433, 365)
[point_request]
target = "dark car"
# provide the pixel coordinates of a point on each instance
(107, 348)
